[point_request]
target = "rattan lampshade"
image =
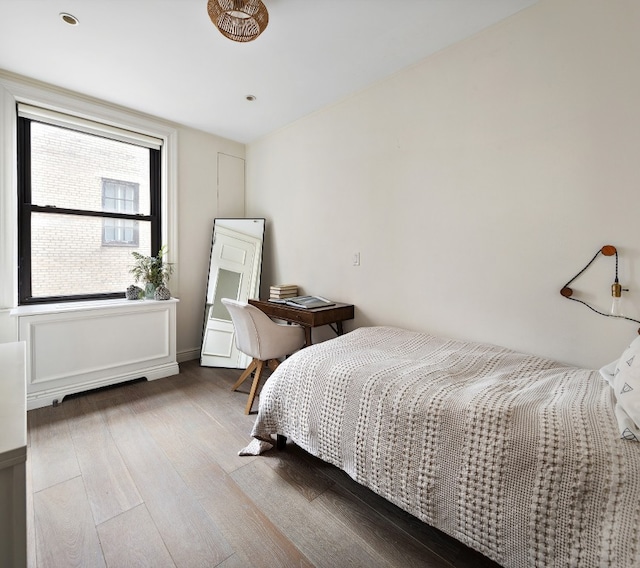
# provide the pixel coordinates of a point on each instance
(239, 20)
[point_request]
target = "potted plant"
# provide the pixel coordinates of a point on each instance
(154, 272)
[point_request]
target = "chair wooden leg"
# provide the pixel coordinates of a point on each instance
(273, 364)
(254, 386)
(245, 374)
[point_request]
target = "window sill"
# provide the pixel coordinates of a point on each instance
(60, 307)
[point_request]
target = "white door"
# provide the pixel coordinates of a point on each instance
(233, 275)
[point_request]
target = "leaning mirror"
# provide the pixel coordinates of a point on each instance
(234, 272)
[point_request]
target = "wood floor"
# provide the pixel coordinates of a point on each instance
(147, 474)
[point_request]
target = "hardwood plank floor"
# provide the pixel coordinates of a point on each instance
(147, 474)
(65, 532)
(132, 539)
(109, 486)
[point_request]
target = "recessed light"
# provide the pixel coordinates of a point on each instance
(250, 97)
(69, 19)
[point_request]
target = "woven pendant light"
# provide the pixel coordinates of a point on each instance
(239, 20)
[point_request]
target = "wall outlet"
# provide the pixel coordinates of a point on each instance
(356, 259)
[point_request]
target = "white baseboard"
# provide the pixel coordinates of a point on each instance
(188, 355)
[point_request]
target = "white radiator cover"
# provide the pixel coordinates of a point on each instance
(74, 347)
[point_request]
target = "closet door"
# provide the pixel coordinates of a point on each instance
(230, 190)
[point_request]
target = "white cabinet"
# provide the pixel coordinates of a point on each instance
(13, 456)
(77, 346)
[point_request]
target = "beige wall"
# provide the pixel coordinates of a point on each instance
(474, 185)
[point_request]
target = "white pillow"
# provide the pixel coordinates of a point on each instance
(626, 387)
(608, 371)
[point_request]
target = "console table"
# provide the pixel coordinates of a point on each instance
(308, 318)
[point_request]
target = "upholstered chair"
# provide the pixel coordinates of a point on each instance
(259, 337)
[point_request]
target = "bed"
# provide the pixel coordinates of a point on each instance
(517, 456)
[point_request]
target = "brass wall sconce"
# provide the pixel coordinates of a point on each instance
(616, 288)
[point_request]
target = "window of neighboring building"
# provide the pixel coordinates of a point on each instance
(89, 195)
(122, 197)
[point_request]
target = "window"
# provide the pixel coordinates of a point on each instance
(89, 195)
(121, 197)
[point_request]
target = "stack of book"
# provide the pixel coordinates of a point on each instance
(283, 291)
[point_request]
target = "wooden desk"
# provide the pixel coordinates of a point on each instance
(308, 319)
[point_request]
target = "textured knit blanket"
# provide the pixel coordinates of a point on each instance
(516, 456)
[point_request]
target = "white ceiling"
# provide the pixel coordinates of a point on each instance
(165, 57)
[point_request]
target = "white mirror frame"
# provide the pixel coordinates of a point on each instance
(235, 266)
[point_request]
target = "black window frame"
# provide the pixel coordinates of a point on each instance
(26, 208)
